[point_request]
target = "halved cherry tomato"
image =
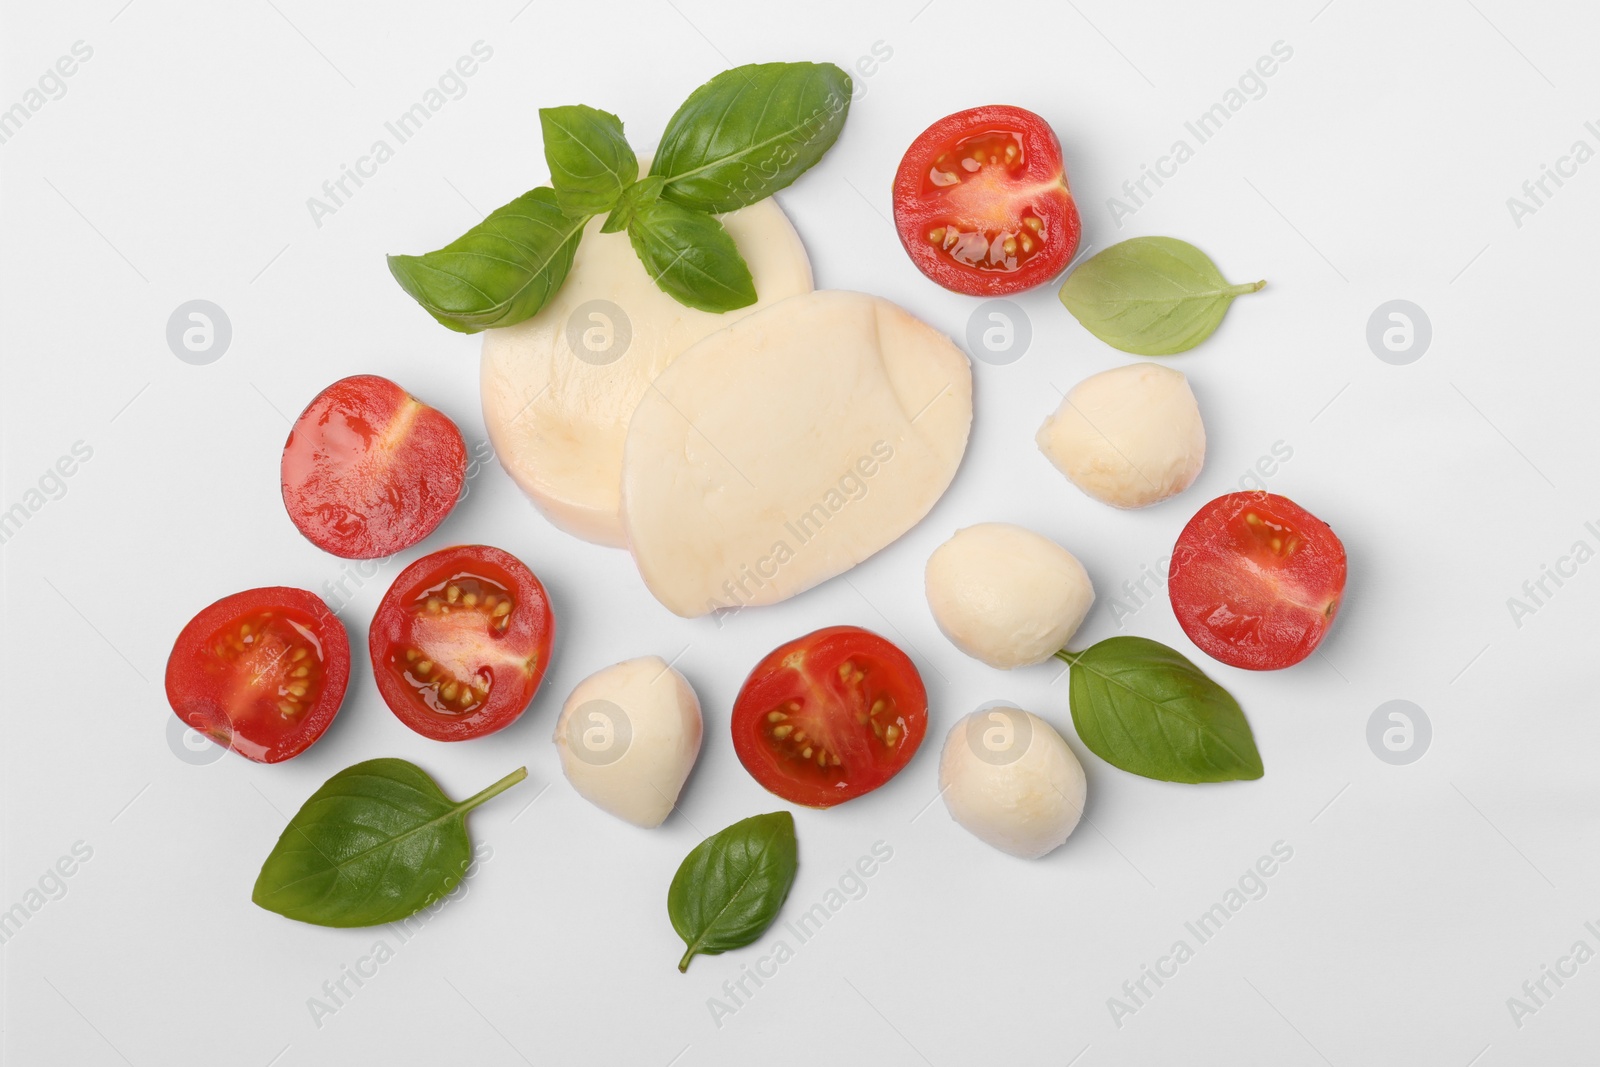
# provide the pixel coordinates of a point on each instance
(830, 716)
(262, 672)
(1256, 580)
(461, 642)
(982, 204)
(369, 469)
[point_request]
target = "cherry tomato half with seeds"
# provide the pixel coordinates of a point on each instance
(369, 469)
(461, 642)
(1256, 580)
(982, 205)
(830, 716)
(262, 672)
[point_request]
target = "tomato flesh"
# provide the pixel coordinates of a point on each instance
(369, 469)
(830, 716)
(1256, 580)
(982, 205)
(461, 642)
(262, 672)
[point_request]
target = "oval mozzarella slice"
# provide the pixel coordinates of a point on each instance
(559, 388)
(789, 447)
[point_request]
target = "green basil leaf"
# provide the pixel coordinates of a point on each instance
(590, 161)
(379, 841)
(730, 888)
(1152, 296)
(1143, 707)
(691, 257)
(501, 271)
(751, 131)
(641, 194)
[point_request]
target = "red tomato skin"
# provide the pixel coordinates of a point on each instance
(914, 214)
(771, 683)
(190, 676)
(531, 631)
(369, 470)
(1200, 586)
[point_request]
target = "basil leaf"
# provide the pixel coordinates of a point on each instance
(590, 161)
(379, 841)
(729, 889)
(691, 257)
(501, 271)
(641, 194)
(1143, 707)
(749, 132)
(1152, 296)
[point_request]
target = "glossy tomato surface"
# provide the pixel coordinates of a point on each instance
(461, 642)
(262, 672)
(1256, 580)
(830, 716)
(369, 469)
(982, 204)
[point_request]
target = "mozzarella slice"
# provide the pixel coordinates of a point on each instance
(628, 737)
(789, 447)
(559, 388)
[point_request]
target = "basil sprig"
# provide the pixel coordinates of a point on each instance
(1152, 296)
(379, 841)
(738, 139)
(731, 887)
(1143, 707)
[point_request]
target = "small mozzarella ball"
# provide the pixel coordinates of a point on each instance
(1006, 595)
(1011, 781)
(1129, 437)
(628, 737)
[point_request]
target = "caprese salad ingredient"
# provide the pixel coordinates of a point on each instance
(1256, 580)
(560, 388)
(1129, 437)
(788, 447)
(1011, 781)
(262, 672)
(730, 888)
(829, 716)
(1006, 595)
(1143, 707)
(461, 642)
(369, 469)
(628, 737)
(1152, 296)
(982, 205)
(738, 139)
(378, 842)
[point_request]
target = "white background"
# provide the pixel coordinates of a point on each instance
(1377, 166)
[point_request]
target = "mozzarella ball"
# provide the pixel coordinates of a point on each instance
(628, 737)
(1006, 595)
(1011, 781)
(1129, 437)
